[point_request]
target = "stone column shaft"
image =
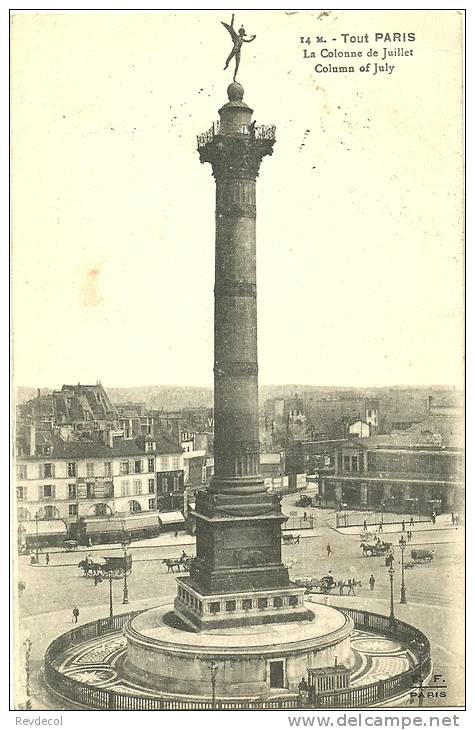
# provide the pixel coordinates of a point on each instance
(235, 336)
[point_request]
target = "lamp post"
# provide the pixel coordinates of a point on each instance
(27, 645)
(125, 599)
(37, 517)
(99, 579)
(213, 668)
(111, 610)
(391, 601)
(402, 544)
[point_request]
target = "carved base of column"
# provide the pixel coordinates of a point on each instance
(238, 543)
(225, 610)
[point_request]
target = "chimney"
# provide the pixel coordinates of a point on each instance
(32, 439)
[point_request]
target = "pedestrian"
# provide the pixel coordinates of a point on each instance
(47, 558)
(409, 536)
(303, 688)
(411, 522)
(176, 533)
(365, 525)
(372, 581)
(380, 528)
(75, 615)
(403, 525)
(329, 550)
(453, 518)
(351, 586)
(433, 518)
(341, 586)
(305, 517)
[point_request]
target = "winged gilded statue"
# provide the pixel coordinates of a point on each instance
(238, 38)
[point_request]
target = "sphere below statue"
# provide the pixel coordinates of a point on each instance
(235, 91)
(163, 654)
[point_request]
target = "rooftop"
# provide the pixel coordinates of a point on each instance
(76, 450)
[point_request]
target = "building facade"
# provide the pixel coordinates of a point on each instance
(396, 477)
(69, 487)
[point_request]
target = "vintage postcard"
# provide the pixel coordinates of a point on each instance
(238, 359)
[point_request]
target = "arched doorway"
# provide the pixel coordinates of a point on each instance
(102, 510)
(134, 506)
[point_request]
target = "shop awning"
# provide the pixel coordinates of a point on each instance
(45, 527)
(127, 524)
(170, 518)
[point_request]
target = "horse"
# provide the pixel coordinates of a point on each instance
(346, 584)
(291, 539)
(172, 563)
(90, 568)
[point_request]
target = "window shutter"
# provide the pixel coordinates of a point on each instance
(40, 471)
(52, 469)
(53, 489)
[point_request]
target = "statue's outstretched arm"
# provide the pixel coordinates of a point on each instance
(249, 40)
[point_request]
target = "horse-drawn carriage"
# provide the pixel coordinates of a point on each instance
(376, 549)
(290, 539)
(112, 567)
(420, 556)
(319, 585)
(304, 500)
(326, 584)
(183, 563)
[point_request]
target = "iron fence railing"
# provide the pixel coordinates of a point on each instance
(107, 699)
(258, 132)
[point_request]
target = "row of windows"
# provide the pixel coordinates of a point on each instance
(137, 487)
(137, 466)
(50, 512)
(48, 491)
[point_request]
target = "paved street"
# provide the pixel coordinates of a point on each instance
(434, 591)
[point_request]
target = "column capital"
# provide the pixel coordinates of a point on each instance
(237, 156)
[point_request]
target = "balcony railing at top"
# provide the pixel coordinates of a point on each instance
(261, 131)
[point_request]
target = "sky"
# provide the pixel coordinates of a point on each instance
(359, 210)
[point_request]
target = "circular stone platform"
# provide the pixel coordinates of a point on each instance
(163, 652)
(96, 659)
